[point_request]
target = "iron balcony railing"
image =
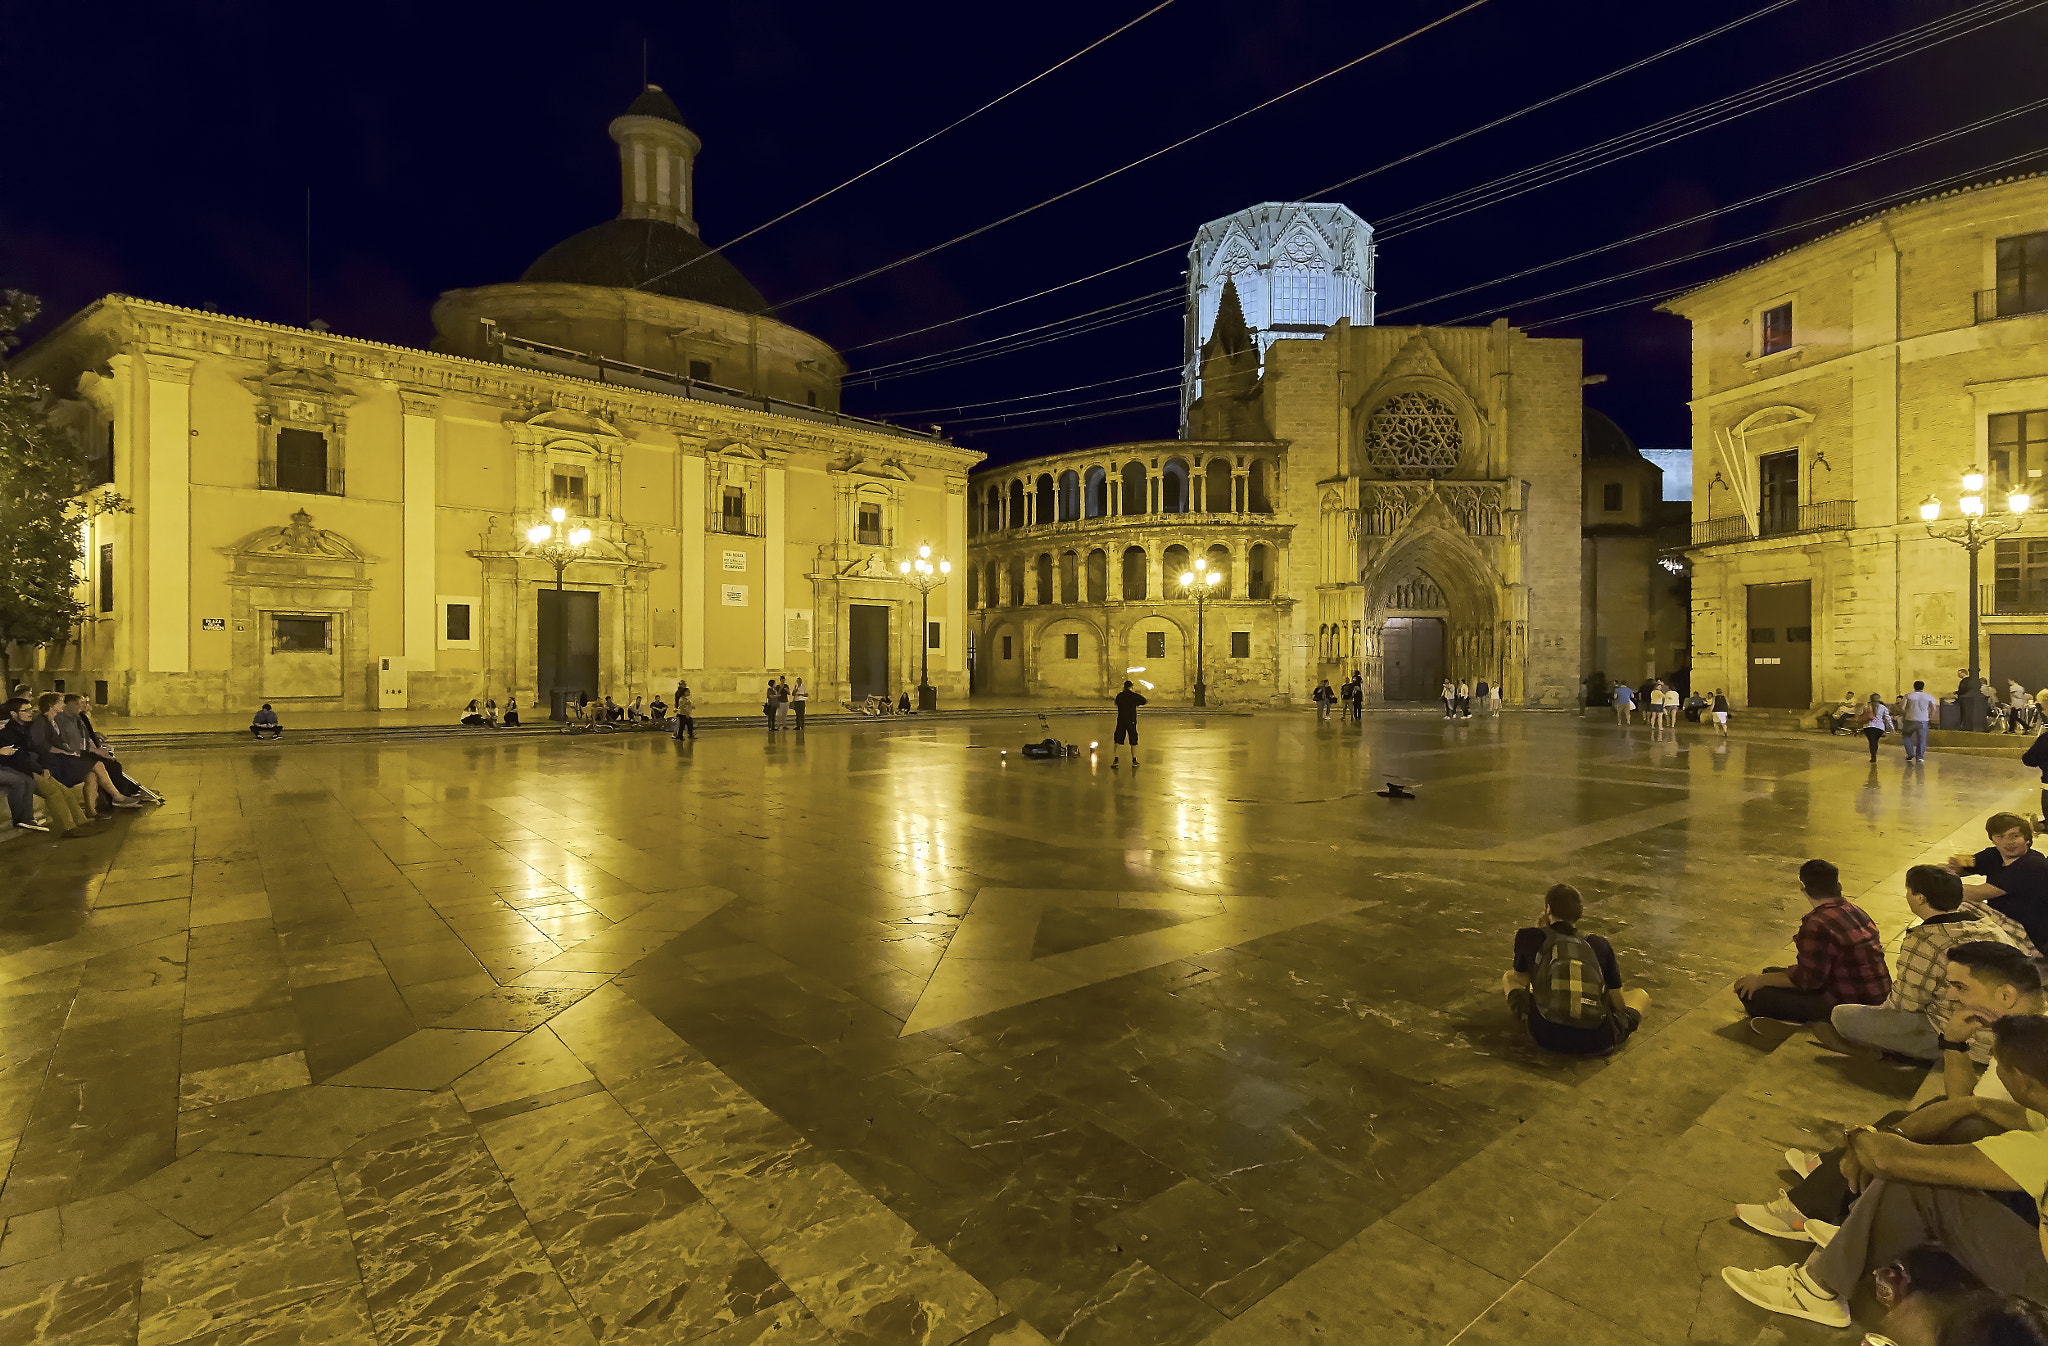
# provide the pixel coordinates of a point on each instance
(1817, 517)
(2011, 598)
(736, 525)
(1727, 528)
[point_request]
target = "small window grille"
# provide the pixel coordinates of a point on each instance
(1240, 644)
(1073, 646)
(1155, 644)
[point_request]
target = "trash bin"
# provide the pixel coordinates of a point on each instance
(558, 705)
(1951, 714)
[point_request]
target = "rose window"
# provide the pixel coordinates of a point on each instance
(1414, 435)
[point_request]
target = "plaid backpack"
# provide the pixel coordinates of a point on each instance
(1567, 982)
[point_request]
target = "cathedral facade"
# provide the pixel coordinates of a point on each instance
(329, 523)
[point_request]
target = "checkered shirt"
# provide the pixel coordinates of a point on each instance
(1841, 956)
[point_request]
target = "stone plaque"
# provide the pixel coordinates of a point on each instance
(1934, 621)
(796, 630)
(213, 623)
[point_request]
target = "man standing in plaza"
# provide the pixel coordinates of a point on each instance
(1920, 708)
(1841, 959)
(1624, 703)
(1127, 703)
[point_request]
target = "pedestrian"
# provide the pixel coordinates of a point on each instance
(782, 698)
(686, 722)
(1344, 700)
(1720, 712)
(1357, 697)
(1875, 720)
(1496, 696)
(1322, 696)
(1448, 694)
(1483, 694)
(1127, 703)
(1919, 709)
(1464, 699)
(798, 698)
(768, 705)
(1624, 704)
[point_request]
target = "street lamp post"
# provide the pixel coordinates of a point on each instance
(1970, 533)
(558, 552)
(1201, 580)
(924, 575)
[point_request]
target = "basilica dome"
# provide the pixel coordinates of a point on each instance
(629, 254)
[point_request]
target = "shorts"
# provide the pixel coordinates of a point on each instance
(1720, 717)
(1123, 729)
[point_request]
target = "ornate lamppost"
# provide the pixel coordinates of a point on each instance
(541, 541)
(924, 575)
(1970, 533)
(1200, 580)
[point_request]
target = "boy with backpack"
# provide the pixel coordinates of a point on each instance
(1566, 987)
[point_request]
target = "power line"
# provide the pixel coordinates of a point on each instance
(1085, 402)
(1163, 306)
(1027, 397)
(985, 341)
(1066, 420)
(900, 153)
(1104, 177)
(1007, 303)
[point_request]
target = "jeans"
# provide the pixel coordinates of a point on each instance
(800, 712)
(1890, 1217)
(1913, 735)
(21, 795)
(1905, 1032)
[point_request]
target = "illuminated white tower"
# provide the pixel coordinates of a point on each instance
(1298, 266)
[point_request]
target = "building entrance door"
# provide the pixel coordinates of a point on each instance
(867, 651)
(1411, 658)
(579, 674)
(1781, 645)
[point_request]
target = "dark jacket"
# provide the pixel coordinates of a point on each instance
(24, 758)
(1127, 703)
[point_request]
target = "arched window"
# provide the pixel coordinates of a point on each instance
(1098, 576)
(1096, 489)
(1173, 488)
(1016, 504)
(1134, 573)
(1070, 495)
(1044, 571)
(1414, 434)
(974, 586)
(1260, 582)
(1171, 567)
(992, 509)
(1216, 489)
(1258, 488)
(992, 589)
(1134, 489)
(1070, 578)
(1042, 506)
(1219, 561)
(1016, 581)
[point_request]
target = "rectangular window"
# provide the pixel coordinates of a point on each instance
(567, 489)
(1300, 296)
(1775, 332)
(102, 463)
(2022, 575)
(1006, 647)
(1610, 495)
(106, 577)
(810, 397)
(735, 514)
(1763, 635)
(458, 621)
(700, 370)
(99, 693)
(1155, 644)
(300, 635)
(2022, 274)
(302, 461)
(1777, 476)
(931, 637)
(2018, 452)
(1240, 644)
(870, 526)
(1073, 647)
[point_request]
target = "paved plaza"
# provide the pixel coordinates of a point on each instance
(875, 1035)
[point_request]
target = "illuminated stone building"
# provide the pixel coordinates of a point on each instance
(1633, 573)
(1835, 388)
(1398, 501)
(329, 523)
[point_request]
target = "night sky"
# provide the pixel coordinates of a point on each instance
(165, 151)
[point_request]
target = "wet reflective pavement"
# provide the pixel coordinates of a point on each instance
(874, 1034)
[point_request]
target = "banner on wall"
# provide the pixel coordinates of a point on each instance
(796, 630)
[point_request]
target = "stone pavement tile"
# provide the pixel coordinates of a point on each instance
(533, 1063)
(1008, 1330)
(1386, 1286)
(97, 1308)
(428, 1002)
(512, 1009)
(134, 892)
(337, 1317)
(572, 961)
(151, 964)
(1210, 1246)
(331, 963)
(435, 959)
(320, 1122)
(616, 1037)
(230, 1039)
(427, 1059)
(443, 1247)
(1530, 1316)
(98, 1007)
(200, 1127)
(257, 986)
(229, 908)
(1497, 1213)
(81, 1238)
(868, 1275)
(206, 1192)
(572, 981)
(246, 1079)
(291, 1249)
(786, 1324)
(346, 1022)
(640, 1250)
(105, 1115)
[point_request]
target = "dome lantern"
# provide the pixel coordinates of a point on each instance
(657, 158)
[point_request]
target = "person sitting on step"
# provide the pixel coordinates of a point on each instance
(1565, 987)
(265, 724)
(1841, 959)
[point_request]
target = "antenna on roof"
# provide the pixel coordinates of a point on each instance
(643, 62)
(309, 256)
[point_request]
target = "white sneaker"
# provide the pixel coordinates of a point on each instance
(1785, 1290)
(1780, 1219)
(1802, 1162)
(1821, 1232)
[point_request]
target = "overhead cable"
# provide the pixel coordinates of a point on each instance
(1144, 159)
(1149, 310)
(1027, 397)
(864, 374)
(1085, 402)
(713, 252)
(1065, 420)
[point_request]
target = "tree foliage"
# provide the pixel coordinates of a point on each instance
(44, 480)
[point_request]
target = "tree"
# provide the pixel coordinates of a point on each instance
(45, 496)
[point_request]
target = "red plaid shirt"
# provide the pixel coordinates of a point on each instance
(1841, 956)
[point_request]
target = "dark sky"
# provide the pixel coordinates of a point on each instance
(165, 151)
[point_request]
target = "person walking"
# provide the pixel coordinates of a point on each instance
(1357, 697)
(1448, 694)
(1322, 696)
(797, 698)
(1720, 712)
(1127, 703)
(1875, 720)
(1464, 699)
(1484, 696)
(1624, 704)
(1919, 708)
(686, 723)
(1496, 697)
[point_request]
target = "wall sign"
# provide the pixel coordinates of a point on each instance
(733, 595)
(735, 560)
(796, 630)
(213, 623)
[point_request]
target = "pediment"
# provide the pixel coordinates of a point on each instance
(570, 421)
(282, 383)
(1417, 362)
(297, 539)
(875, 469)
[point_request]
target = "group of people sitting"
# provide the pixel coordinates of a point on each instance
(486, 713)
(49, 750)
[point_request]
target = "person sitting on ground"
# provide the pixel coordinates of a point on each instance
(1565, 987)
(612, 712)
(1909, 1022)
(18, 750)
(1912, 1188)
(1841, 959)
(511, 712)
(2015, 874)
(658, 708)
(491, 711)
(264, 724)
(473, 713)
(638, 710)
(903, 702)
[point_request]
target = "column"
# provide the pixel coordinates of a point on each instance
(166, 509)
(955, 589)
(421, 488)
(1155, 560)
(692, 469)
(773, 532)
(1116, 496)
